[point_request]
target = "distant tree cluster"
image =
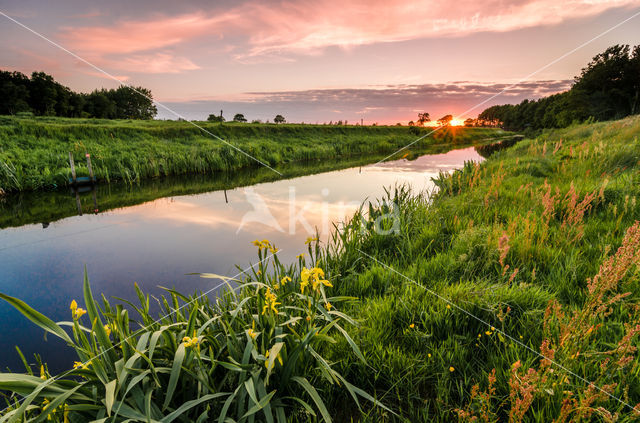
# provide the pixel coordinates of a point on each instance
(239, 117)
(43, 96)
(608, 88)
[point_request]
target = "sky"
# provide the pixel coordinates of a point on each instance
(379, 61)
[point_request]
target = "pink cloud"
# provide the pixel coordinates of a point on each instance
(272, 31)
(156, 63)
(132, 36)
(293, 27)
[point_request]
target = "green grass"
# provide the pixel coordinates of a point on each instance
(450, 243)
(34, 151)
(540, 242)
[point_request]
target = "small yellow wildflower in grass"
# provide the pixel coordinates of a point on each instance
(253, 334)
(303, 285)
(448, 307)
(411, 326)
(107, 329)
(329, 306)
(270, 302)
(191, 342)
(76, 312)
(520, 336)
(314, 276)
(79, 365)
(284, 280)
(300, 256)
(308, 318)
(310, 240)
(257, 243)
(43, 375)
(492, 328)
(429, 355)
(451, 369)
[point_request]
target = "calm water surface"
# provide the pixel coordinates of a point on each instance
(158, 242)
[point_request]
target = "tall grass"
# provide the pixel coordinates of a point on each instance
(34, 151)
(516, 241)
(256, 352)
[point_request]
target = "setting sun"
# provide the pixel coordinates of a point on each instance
(456, 122)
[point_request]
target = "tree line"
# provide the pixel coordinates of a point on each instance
(41, 95)
(607, 88)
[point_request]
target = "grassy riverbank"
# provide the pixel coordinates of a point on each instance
(29, 207)
(34, 151)
(517, 242)
(531, 252)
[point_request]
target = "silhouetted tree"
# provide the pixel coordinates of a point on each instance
(423, 118)
(445, 120)
(239, 117)
(279, 119)
(216, 118)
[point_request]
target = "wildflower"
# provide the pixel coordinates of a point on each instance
(270, 302)
(300, 256)
(76, 312)
(451, 369)
(308, 318)
(276, 286)
(79, 365)
(448, 307)
(43, 375)
(303, 285)
(411, 326)
(191, 341)
(253, 334)
(257, 243)
(492, 328)
(285, 280)
(310, 240)
(329, 306)
(520, 336)
(429, 355)
(488, 333)
(107, 329)
(479, 335)
(315, 276)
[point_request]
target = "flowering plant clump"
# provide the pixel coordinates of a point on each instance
(254, 352)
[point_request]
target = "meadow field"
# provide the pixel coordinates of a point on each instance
(510, 294)
(34, 152)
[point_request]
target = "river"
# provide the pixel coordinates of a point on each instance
(124, 234)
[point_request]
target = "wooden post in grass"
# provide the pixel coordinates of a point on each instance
(93, 179)
(73, 167)
(225, 196)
